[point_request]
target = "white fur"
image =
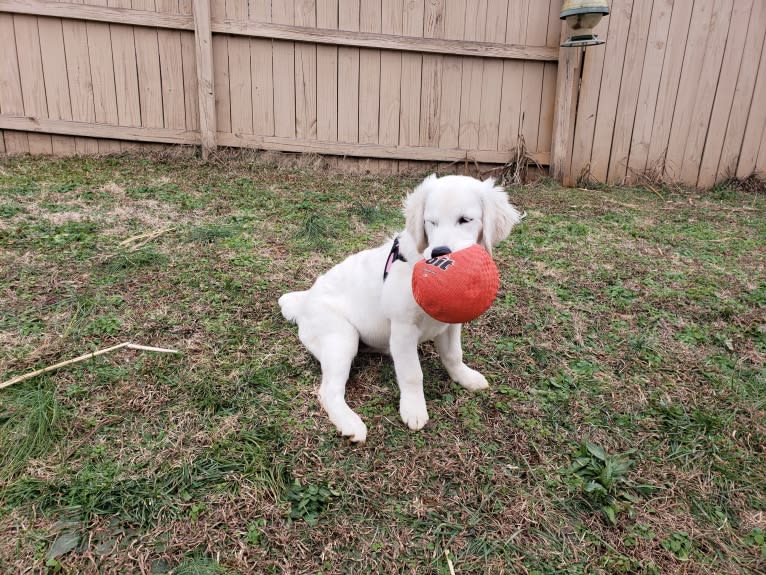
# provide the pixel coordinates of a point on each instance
(352, 303)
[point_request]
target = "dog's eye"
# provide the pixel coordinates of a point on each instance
(430, 223)
(464, 220)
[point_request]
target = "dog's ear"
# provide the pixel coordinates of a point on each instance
(498, 215)
(414, 207)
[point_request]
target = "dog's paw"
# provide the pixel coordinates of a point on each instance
(414, 413)
(472, 380)
(353, 428)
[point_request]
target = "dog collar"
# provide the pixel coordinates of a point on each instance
(393, 256)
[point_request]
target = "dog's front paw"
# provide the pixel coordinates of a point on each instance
(413, 413)
(472, 380)
(353, 428)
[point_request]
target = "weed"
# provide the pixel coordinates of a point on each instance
(679, 544)
(307, 502)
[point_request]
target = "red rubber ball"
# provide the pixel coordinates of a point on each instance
(457, 287)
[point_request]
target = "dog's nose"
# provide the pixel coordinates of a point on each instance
(440, 251)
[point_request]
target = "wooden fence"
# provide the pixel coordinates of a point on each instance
(678, 92)
(440, 80)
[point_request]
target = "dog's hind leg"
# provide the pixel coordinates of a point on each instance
(334, 342)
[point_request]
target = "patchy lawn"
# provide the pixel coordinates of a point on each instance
(624, 430)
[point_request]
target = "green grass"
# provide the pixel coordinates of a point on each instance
(623, 431)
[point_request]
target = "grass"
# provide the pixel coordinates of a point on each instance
(623, 431)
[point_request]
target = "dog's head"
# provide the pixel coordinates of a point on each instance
(448, 214)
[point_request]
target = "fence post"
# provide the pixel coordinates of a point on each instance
(565, 113)
(203, 38)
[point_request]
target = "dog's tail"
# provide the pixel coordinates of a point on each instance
(291, 304)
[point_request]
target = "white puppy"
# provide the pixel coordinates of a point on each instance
(368, 297)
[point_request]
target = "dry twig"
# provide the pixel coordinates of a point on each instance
(84, 357)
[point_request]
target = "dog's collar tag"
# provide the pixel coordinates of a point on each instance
(393, 256)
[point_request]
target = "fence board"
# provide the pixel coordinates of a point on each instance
(11, 100)
(492, 77)
(756, 124)
(548, 103)
(171, 70)
(430, 96)
(532, 87)
(284, 73)
(79, 79)
(513, 77)
(305, 74)
(473, 72)
(221, 71)
(31, 75)
(348, 75)
(650, 85)
(262, 71)
(327, 74)
(724, 95)
(451, 79)
(669, 85)
(240, 88)
(705, 92)
(630, 85)
(619, 25)
(369, 74)
(743, 93)
(687, 90)
(391, 70)
(409, 112)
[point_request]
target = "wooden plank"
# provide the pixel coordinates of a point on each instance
(125, 71)
(133, 134)
(743, 93)
(473, 72)
(550, 71)
(760, 165)
(451, 77)
(587, 106)
(205, 76)
(11, 100)
(513, 77)
(430, 96)
(724, 95)
(327, 74)
(187, 137)
(240, 86)
(669, 84)
(305, 74)
(79, 79)
(610, 88)
(31, 75)
(287, 32)
(56, 81)
(687, 89)
(348, 75)
(220, 70)
(532, 87)
(755, 127)
(189, 71)
(390, 70)
(630, 85)
(149, 75)
(492, 77)
(262, 72)
(102, 78)
(650, 85)
(370, 14)
(284, 73)
(568, 79)
(706, 91)
(171, 70)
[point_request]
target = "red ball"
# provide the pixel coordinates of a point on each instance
(458, 287)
